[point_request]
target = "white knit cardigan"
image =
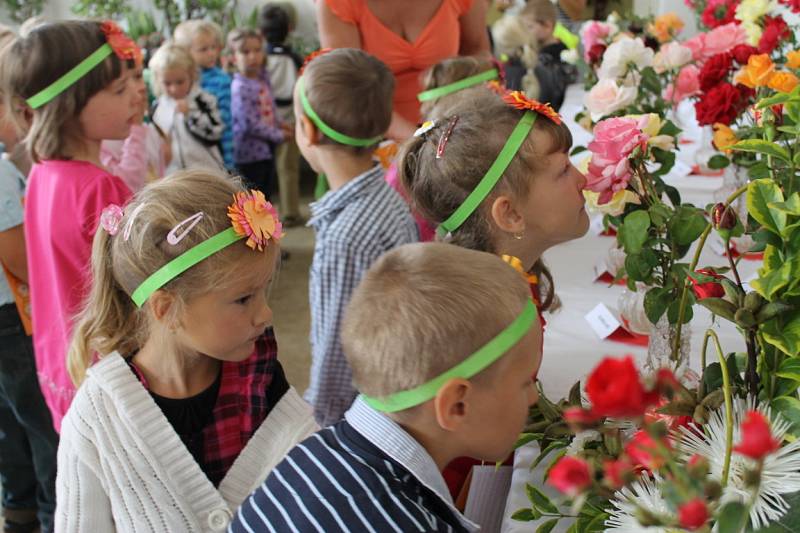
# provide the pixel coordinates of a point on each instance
(122, 467)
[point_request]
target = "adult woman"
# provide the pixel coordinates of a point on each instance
(409, 37)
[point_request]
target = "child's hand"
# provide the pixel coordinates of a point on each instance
(182, 106)
(288, 131)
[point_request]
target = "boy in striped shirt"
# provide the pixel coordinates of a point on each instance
(444, 344)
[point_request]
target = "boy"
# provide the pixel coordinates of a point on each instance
(343, 106)
(283, 65)
(444, 343)
(540, 17)
(204, 41)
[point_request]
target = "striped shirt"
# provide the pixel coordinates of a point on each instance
(215, 81)
(354, 226)
(364, 474)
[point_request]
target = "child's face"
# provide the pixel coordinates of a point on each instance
(542, 31)
(9, 134)
(110, 113)
(176, 82)
(205, 50)
(250, 57)
(225, 323)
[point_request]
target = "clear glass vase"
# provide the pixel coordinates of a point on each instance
(659, 348)
(705, 150)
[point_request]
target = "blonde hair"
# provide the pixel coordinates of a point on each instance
(170, 56)
(238, 36)
(423, 308)
(450, 71)
(32, 63)
(186, 31)
(514, 40)
(109, 319)
(542, 11)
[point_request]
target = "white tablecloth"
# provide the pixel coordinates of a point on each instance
(571, 349)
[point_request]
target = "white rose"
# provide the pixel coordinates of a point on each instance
(671, 56)
(753, 32)
(569, 56)
(619, 57)
(607, 97)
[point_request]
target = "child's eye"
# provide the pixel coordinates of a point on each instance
(244, 299)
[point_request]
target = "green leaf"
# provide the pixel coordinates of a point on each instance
(732, 518)
(659, 214)
(772, 258)
(718, 161)
(548, 526)
(634, 231)
(790, 206)
(789, 407)
(790, 368)
(578, 149)
(760, 146)
(760, 193)
(719, 307)
(669, 128)
(656, 301)
(575, 394)
(673, 312)
(784, 333)
(597, 523)
(539, 500)
(758, 171)
(524, 439)
(687, 224)
(650, 80)
(637, 267)
(773, 281)
(556, 444)
(525, 515)
(774, 100)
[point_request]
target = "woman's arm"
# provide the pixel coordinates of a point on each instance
(333, 31)
(12, 252)
(474, 35)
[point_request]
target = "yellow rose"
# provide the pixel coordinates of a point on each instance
(757, 72)
(665, 27)
(752, 10)
(793, 59)
(616, 206)
(753, 32)
(651, 129)
(724, 137)
(783, 82)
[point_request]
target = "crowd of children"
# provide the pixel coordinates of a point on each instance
(135, 327)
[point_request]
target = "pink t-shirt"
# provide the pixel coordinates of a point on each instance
(62, 208)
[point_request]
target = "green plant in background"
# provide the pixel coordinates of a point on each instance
(22, 10)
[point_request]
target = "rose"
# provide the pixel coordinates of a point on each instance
(595, 53)
(614, 389)
(614, 141)
(687, 83)
(617, 473)
(722, 103)
(757, 72)
(622, 54)
(709, 289)
(645, 451)
(693, 514)
(651, 124)
(783, 82)
(757, 440)
(714, 70)
(570, 476)
(793, 59)
(723, 217)
(724, 137)
(723, 39)
(697, 45)
(671, 56)
(665, 27)
(615, 206)
(775, 31)
(592, 33)
(753, 32)
(718, 12)
(752, 10)
(607, 96)
(794, 5)
(742, 52)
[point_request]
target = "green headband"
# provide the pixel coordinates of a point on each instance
(64, 82)
(478, 361)
(492, 175)
(327, 130)
(432, 94)
(184, 262)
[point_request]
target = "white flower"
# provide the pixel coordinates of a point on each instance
(671, 56)
(622, 55)
(642, 493)
(752, 10)
(613, 18)
(781, 470)
(607, 96)
(580, 439)
(753, 32)
(570, 56)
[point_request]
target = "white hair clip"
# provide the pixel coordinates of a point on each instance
(427, 126)
(126, 234)
(173, 237)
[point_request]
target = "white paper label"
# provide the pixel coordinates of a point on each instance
(596, 224)
(600, 268)
(602, 321)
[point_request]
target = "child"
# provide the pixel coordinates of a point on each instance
(283, 66)
(256, 126)
(359, 219)
(515, 45)
(187, 408)
(186, 114)
(67, 187)
(540, 17)
(28, 441)
(419, 315)
(203, 39)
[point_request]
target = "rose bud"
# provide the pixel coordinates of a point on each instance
(710, 289)
(757, 440)
(570, 476)
(723, 217)
(693, 514)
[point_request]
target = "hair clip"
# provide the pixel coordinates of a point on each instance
(123, 46)
(518, 100)
(446, 137)
(496, 87)
(126, 234)
(426, 126)
(110, 218)
(311, 57)
(173, 237)
(255, 218)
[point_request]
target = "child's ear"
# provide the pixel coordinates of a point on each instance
(451, 404)
(310, 131)
(161, 303)
(506, 216)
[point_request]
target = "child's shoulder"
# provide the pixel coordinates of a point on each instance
(215, 77)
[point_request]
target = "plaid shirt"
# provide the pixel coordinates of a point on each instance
(354, 226)
(217, 82)
(248, 391)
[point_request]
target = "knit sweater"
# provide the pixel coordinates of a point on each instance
(122, 467)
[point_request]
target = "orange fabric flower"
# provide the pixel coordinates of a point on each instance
(665, 27)
(518, 100)
(724, 137)
(757, 72)
(793, 59)
(386, 153)
(496, 87)
(255, 218)
(123, 46)
(312, 56)
(516, 264)
(783, 82)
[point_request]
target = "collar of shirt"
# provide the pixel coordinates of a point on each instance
(263, 77)
(334, 201)
(393, 440)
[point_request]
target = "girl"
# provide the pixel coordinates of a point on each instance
(187, 408)
(67, 186)
(185, 114)
(256, 128)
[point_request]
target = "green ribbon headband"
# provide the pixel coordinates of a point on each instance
(184, 262)
(492, 176)
(450, 88)
(64, 82)
(327, 130)
(475, 363)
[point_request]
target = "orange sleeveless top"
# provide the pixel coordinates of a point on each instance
(440, 39)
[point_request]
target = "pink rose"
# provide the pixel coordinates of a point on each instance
(696, 44)
(614, 141)
(687, 83)
(607, 97)
(723, 38)
(592, 33)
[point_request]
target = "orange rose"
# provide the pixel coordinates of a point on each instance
(724, 137)
(783, 82)
(665, 27)
(757, 72)
(793, 59)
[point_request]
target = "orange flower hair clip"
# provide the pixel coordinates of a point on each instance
(312, 56)
(496, 87)
(123, 46)
(255, 218)
(518, 100)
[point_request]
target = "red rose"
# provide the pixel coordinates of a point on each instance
(646, 452)
(596, 52)
(693, 514)
(742, 52)
(617, 473)
(722, 103)
(757, 440)
(579, 417)
(570, 476)
(710, 289)
(794, 5)
(714, 70)
(614, 388)
(775, 31)
(719, 14)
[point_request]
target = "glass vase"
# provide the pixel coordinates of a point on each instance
(659, 347)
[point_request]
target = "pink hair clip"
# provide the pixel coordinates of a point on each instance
(110, 219)
(446, 137)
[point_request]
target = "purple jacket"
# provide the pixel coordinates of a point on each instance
(254, 117)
